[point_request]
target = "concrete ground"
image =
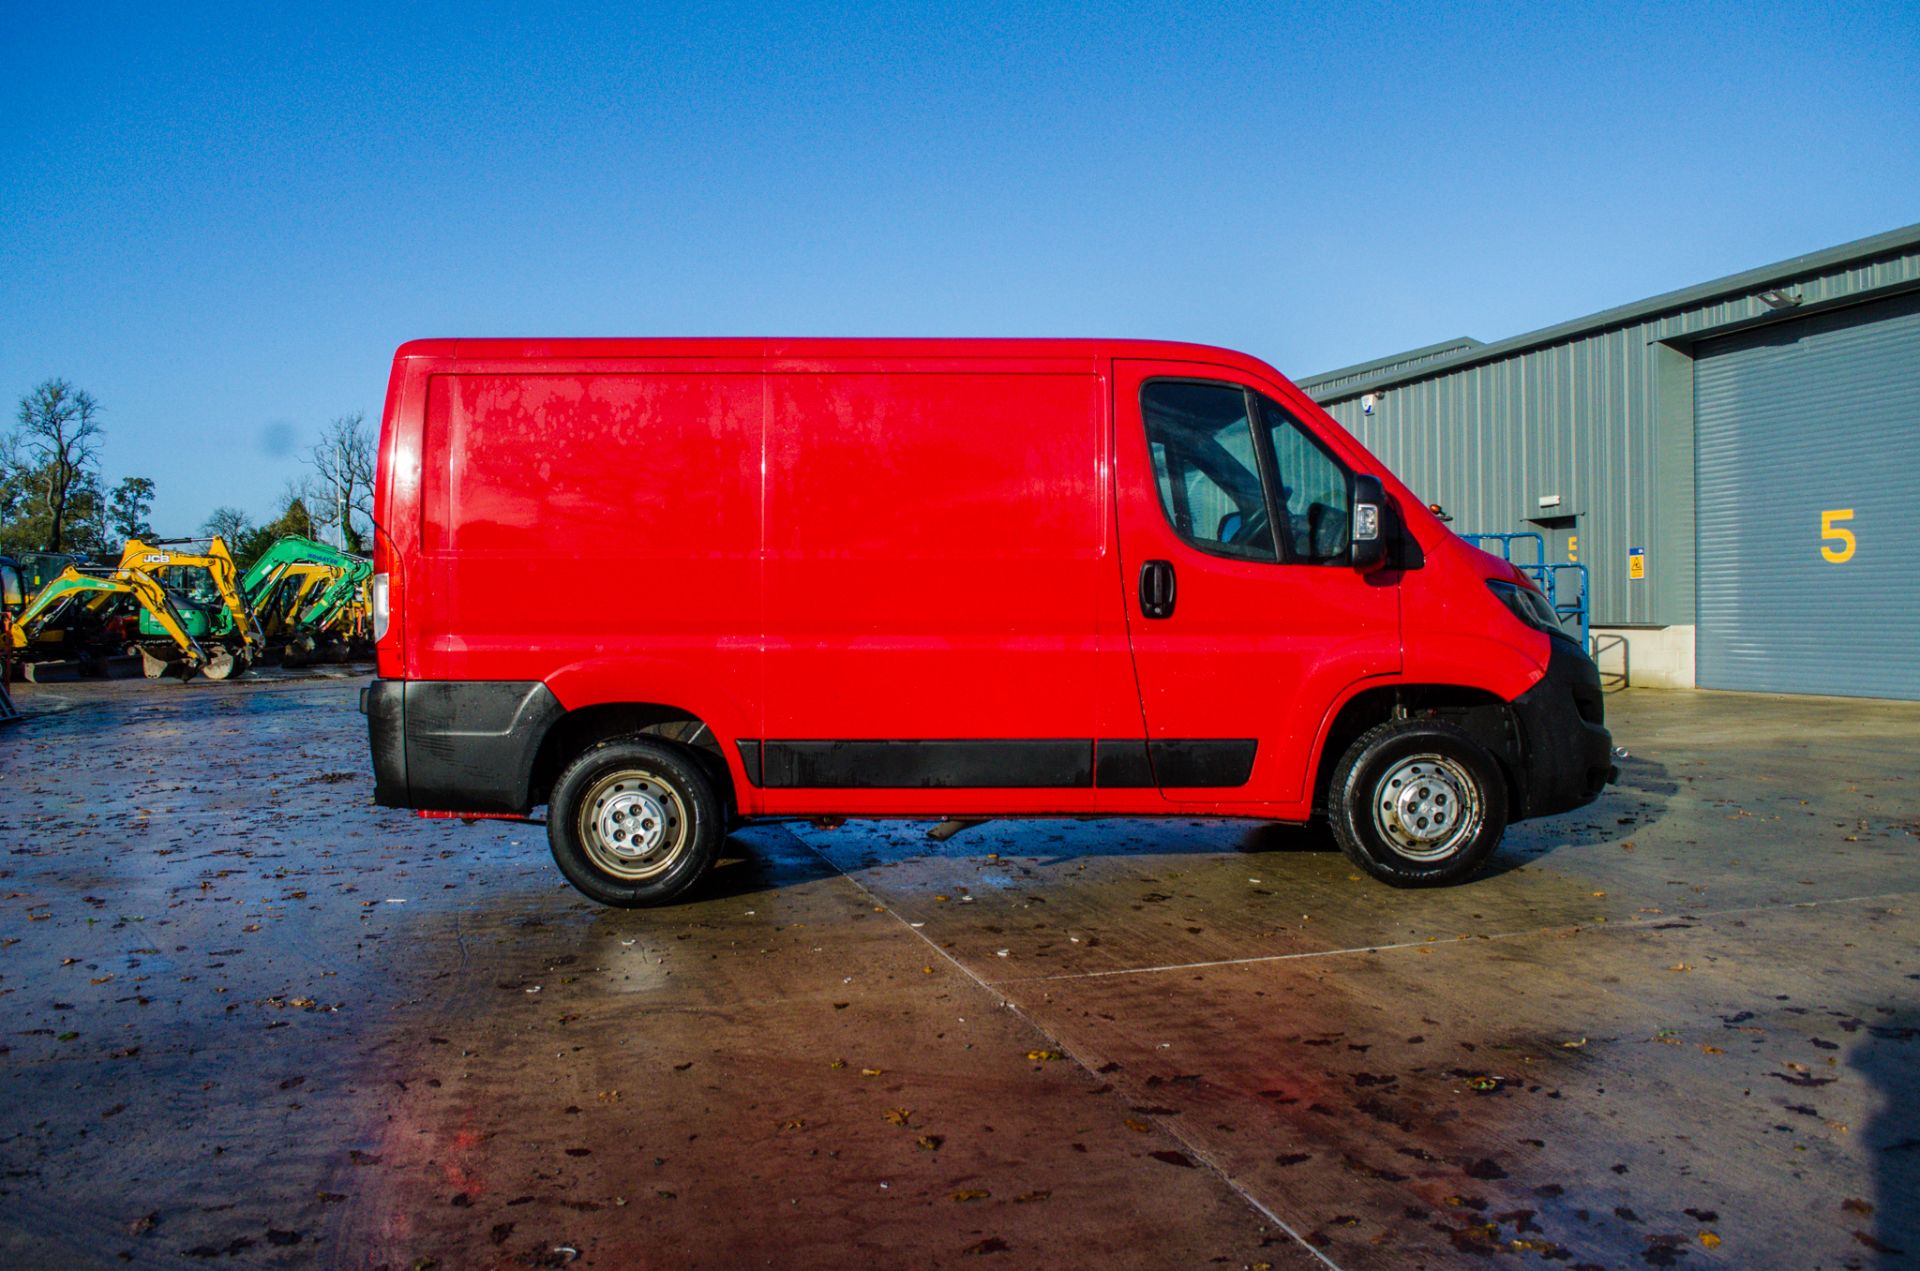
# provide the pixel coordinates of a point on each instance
(251, 1020)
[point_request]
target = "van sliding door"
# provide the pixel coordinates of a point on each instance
(938, 551)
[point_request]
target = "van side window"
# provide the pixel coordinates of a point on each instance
(1315, 510)
(1204, 463)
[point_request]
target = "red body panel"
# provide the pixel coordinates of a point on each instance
(885, 540)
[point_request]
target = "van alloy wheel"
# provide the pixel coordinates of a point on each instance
(632, 825)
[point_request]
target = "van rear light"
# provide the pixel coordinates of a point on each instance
(387, 598)
(381, 611)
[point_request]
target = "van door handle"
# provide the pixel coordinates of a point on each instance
(1157, 589)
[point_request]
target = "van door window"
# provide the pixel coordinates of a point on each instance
(1204, 463)
(1315, 510)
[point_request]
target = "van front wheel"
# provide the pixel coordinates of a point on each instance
(634, 822)
(1417, 803)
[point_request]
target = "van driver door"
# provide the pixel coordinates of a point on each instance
(1245, 617)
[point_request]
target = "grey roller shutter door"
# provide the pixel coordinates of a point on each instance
(1792, 421)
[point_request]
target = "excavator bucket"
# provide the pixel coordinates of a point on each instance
(222, 664)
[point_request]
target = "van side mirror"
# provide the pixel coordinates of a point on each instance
(1370, 512)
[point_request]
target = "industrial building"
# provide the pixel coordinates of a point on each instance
(1736, 463)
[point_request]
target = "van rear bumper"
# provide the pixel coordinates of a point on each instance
(1568, 752)
(456, 745)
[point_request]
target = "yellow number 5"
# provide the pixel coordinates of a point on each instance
(1833, 532)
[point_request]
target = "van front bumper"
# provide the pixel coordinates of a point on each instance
(1566, 748)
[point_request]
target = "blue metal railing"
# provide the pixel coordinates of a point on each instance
(1565, 584)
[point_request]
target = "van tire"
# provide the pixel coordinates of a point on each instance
(1417, 803)
(657, 800)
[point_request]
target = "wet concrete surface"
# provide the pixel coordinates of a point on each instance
(251, 1020)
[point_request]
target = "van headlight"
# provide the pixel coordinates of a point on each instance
(1527, 605)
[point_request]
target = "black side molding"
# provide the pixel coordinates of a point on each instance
(1120, 763)
(929, 765)
(997, 763)
(1180, 764)
(750, 759)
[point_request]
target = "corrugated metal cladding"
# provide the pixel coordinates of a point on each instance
(1808, 436)
(1598, 412)
(1488, 442)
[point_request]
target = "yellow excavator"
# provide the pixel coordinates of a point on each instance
(210, 603)
(67, 616)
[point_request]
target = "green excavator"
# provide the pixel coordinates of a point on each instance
(311, 596)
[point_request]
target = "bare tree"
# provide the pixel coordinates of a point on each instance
(61, 429)
(227, 522)
(343, 464)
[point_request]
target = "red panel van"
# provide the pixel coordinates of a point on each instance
(665, 586)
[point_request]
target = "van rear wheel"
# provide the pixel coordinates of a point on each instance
(1417, 803)
(634, 822)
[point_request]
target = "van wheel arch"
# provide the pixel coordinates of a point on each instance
(581, 729)
(1483, 716)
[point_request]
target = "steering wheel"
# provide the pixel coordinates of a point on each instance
(1239, 531)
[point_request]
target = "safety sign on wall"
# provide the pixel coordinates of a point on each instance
(1636, 562)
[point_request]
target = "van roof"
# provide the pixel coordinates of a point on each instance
(809, 348)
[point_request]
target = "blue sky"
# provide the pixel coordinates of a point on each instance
(221, 220)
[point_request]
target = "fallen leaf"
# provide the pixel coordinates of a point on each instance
(871, 1072)
(969, 1193)
(1047, 1056)
(1138, 1127)
(898, 1116)
(929, 1142)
